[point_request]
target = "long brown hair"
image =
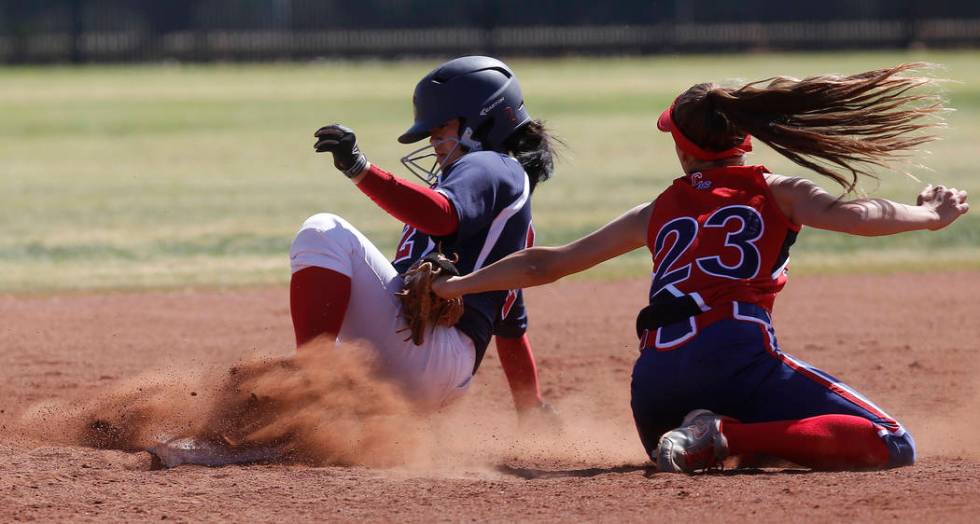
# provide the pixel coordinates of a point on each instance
(534, 147)
(838, 126)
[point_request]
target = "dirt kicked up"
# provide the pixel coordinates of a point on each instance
(909, 342)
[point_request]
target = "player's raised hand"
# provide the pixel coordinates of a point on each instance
(342, 142)
(947, 202)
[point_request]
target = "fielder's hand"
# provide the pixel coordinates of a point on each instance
(947, 203)
(422, 309)
(443, 287)
(342, 142)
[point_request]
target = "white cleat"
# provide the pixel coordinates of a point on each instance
(696, 445)
(189, 450)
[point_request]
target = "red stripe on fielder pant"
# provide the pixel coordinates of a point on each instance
(835, 387)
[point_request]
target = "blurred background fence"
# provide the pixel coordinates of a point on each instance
(39, 31)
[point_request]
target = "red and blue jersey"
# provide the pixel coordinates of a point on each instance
(490, 193)
(717, 237)
(720, 247)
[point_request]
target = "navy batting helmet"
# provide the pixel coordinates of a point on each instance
(481, 91)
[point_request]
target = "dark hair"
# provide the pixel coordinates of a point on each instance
(825, 123)
(534, 147)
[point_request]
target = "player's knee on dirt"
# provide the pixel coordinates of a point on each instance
(324, 240)
(901, 450)
(650, 427)
(649, 439)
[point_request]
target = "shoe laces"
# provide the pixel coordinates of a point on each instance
(704, 459)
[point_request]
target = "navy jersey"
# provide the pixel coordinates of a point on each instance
(491, 195)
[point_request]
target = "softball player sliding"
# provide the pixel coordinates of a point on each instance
(711, 381)
(487, 157)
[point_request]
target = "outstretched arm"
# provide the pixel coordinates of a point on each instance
(540, 265)
(805, 203)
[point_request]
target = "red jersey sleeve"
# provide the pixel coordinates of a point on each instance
(420, 207)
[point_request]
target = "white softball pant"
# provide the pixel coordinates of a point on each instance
(433, 374)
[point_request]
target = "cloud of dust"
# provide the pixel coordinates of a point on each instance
(470, 435)
(128, 416)
(327, 405)
(322, 406)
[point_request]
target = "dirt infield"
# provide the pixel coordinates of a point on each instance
(907, 341)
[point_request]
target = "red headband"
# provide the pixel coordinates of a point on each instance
(666, 124)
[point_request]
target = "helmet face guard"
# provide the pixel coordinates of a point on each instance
(417, 159)
(480, 91)
(417, 163)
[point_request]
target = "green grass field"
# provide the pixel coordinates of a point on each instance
(163, 176)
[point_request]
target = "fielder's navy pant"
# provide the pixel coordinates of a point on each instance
(734, 368)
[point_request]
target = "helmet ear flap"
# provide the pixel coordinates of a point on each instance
(471, 144)
(469, 140)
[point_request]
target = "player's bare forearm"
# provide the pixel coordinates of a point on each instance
(806, 204)
(542, 265)
(526, 268)
(878, 217)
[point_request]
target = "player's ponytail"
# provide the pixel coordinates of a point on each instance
(838, 126)
(534, 147)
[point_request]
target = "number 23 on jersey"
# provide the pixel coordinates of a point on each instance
(681, 234)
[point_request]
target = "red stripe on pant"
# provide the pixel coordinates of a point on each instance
(887, 421)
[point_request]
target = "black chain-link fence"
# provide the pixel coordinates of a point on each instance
(138, 30)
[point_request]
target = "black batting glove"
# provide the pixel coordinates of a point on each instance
(342, 142)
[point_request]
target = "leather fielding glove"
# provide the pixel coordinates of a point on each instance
(422, 309)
